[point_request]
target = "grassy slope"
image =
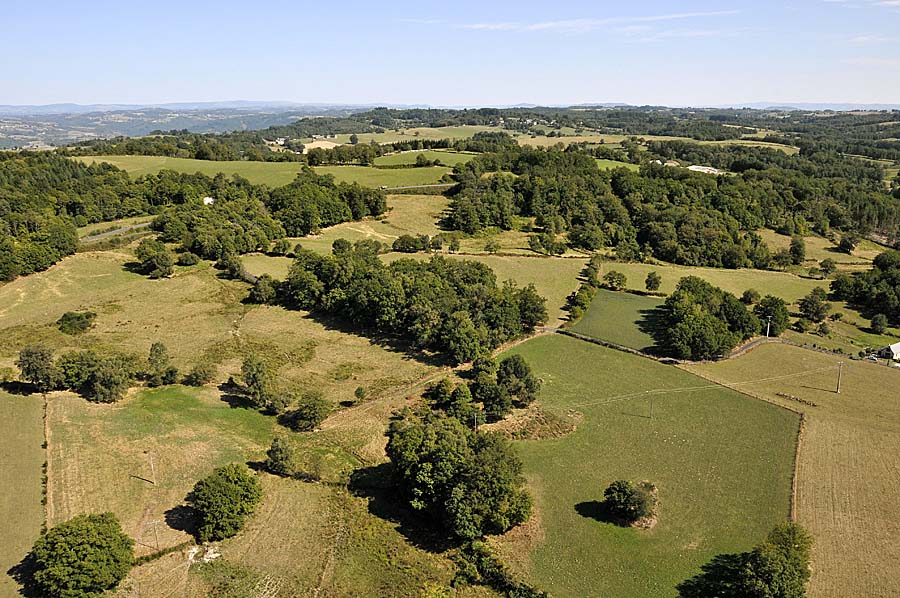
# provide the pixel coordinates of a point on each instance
(615, 317)
(274, 174)
(849, 478)
(21, 457)
(447, 158)
(722, 462)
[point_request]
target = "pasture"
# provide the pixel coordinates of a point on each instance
(394, 135)
(848, 485)
(446, 157)
(722, 463)
(788, 286)
(378, 177)
(621, 318)
(21, 458)
(819, 248)
(611, 164)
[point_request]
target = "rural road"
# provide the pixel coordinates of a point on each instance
(112, 233)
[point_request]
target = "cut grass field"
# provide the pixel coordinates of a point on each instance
(447, 158)
(848, 487)
(273, 174)
(621, 318)
(820, 248)
(610, 164)
(21, 459)
(722, 463)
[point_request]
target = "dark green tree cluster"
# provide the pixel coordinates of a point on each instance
(81, 558)
(773, 314)
(160, 370)
(223, 501)
(102, 378)
(76, 322)
(776, 568)
(705, 322)
(628, 502)
(451, 306)
(155, 259)
(875, 291)
(469, 484)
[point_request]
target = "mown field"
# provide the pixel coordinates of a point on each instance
(610, 164)
(21, 458)
(274, 174)
(849, 470)
(621, 318)
(721, 461)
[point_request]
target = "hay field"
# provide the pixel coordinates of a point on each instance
(849, 474)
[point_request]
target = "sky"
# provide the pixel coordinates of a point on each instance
(472, 53)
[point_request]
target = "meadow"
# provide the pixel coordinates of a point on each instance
(447, 158)
(621, 318)
(611, 164)
(849, 482)
(274, 174)
(721, 461)
(21, 458)
(394, 135)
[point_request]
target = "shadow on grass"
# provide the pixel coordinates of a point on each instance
(718, 577)
(23, 574)
(19, 388)
(182, 518)
(653, 323)
(235, 397)
(376, 483)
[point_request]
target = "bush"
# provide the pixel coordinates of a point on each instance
(627, 501)
(85, 556)
(281, 458)
(263, 290)
(311, 410)
(98, 378)
(514, 375)
(202, 373)
(879, 324)
(36, 366)
(652, 282)
(223, 501)
(614, 280)
(76, 322)
(160, 371)
(188, 259)
(750, 297)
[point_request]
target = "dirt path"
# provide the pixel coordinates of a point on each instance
(113, 233)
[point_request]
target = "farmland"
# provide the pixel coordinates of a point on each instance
(722, 462)
(21, 458)
(848, 478)
(620, 318)
(446, 158)
(274, 174)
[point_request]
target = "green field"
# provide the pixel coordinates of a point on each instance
(610, 164)
(722, 463)
(621, 318)
(391, 136)
(21, 457)
(782, 284)
(848, 484)
(274, 174)
(101, 227)
(447, 158)
(820, 248)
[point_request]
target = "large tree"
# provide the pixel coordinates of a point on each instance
(37, 366)
(223, 501)
(83, 557)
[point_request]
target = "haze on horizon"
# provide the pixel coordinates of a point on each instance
(694, 53)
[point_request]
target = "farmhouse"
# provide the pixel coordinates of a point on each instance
(890, 352)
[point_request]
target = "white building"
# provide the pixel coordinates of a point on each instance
(208, 201)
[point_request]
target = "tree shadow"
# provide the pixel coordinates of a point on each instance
(653, 323)
(234, 395)
(18, 388)
(23, 574)
(182, 518)
(718, 577)
(376, 484)
(133, 267)
(594, 509)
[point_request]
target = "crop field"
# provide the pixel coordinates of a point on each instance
(274, 174)
(21, 457)
(849, 477)
(721, 461)
(446, 158)
(621, 318)
(782, 284)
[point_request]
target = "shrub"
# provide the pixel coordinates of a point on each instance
(76, 322)
(202, 373)
(36, 366)
(614, 280)
(652, 282)
(281, 458)
(160, 371)
(626, 501)
(85, 556)
(263, 290)
(311, 410)
(514, 375)
(879, 323)
(188, 259)
(224, 500)
(750, 297)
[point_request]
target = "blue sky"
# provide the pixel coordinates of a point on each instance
(453, 53)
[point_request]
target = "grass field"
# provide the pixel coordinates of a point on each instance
(820, 248)
(620, 318)
(274, 174)
(447, 158)
(722, 463)
(460, 132)
(100, 227)
(849, 477)
(21, 458)
(610, 164)
(782, 284)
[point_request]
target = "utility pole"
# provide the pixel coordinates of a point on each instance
(840, 375)
(152, 468)
(768, 324)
